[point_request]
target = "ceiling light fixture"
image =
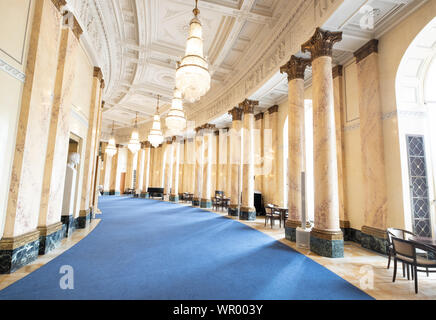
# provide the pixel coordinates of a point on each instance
(111, 148)
(176, 120)
(192, 76)
(134, 144)
(155, 136)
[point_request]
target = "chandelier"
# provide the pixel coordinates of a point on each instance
(176, 120)
(134, 144)
(111, 149)
(192, 76)
(155, 136)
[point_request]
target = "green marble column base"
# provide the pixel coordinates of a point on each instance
(18, 251)
(50, 237)
(233, 210)
(195, 202)
(326, 243)
(106, 193)
(374, 239)
(247, 214)
(83, 220)
(114, 193)
(174, 198)
(291, 230)
(145, 195)
(206, 203)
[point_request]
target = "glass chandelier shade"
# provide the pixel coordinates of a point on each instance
(155, 136)
(134, 144)
(176, 120)
(111, 148)
(192, 76)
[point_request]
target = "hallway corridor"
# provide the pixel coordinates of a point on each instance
(146, 249)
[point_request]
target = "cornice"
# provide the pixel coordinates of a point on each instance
(337, 71)
(247, 106)
(59, 4)
(370, 47)
(236, 114)
(273, 109)
(259, 116)
(321, 43)
(295, 68)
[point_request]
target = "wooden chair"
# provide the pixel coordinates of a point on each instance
(272, 214)
(395, 233)
(406, 252)
(216, 203)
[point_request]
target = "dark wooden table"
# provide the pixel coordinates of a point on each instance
(283, 213)
(428, 241)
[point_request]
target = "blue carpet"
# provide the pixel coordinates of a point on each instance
(147, 249)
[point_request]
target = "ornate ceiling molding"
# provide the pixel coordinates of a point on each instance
(289, 34)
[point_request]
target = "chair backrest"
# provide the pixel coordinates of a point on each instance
(404, 247)
(398, 233)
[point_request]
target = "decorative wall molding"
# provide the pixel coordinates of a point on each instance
(12, 71)
(277, 49)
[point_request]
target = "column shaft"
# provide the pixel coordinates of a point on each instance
(206, 196)
(326, 236)
(199, 156)
(295, 69)
(147, 171)
(235, 160)
(248, 212)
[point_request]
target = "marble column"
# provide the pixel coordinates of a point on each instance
(326, 238)
(146, 171)
(259, 152)
(88, 167)
(268, 158)
(160, 164)
(96, 167)
(181, 188)
(338, 87)
(185, 165)
(206, 195)
(191, 151)
(199, 159)
(169, 159)
(215, 163)
(107, 175)
(295, 69)
(372, 147)
(222, 160)
(20, 242)
(277, 191)
(235, 160)
(174, 196)
(228, 166)
(49, 224)
(248, 211)
(153, 155)
(129, 170)
(114, 190)
(103, 171)
(140, 170)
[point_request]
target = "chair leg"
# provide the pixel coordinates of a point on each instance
(416, 279)
(427, 271)
(408, 272)
(413, 276)
(404, 270)
(395, 270)
(389, 259)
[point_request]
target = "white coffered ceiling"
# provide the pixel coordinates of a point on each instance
(137, 44)
(145, 38)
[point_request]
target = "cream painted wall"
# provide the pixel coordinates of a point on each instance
(15, 22)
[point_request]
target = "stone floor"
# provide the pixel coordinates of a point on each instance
(363, 268)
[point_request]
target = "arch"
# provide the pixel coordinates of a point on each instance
(416, 110)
